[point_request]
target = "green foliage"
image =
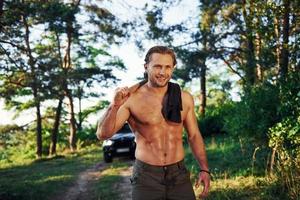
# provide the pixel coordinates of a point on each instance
(8, 135)
(255, 113)
(18, 146)
(285, 140)
(210, 125)
(93, 109)
(214, 121)
(284, 136)
(36, 65)
(267, 116)
(290, 95)
(233, 174)
(87, 136)
(217, 112)
(193, 63)
(17, 143)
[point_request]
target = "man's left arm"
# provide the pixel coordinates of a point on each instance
(196, 143)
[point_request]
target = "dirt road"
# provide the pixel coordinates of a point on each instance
(81, 188)
(123, 186)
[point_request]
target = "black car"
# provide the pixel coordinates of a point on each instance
(120, 144)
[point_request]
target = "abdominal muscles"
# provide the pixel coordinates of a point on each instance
(159, 144)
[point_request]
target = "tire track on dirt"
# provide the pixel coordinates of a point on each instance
(124, 186)
(80, 189)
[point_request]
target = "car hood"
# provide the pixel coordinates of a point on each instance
(122, 135)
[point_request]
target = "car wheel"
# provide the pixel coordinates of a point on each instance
(107, 158)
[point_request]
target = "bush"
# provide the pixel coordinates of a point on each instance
(213, 122)
(290, 96)
(284, 137)
(87, 135)
(254, 114)
(210, 125)
(20, 146)
(285, 141)
(9, 135)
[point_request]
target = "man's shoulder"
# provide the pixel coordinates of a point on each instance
(186, 95)
(187, 99)
(135, 98)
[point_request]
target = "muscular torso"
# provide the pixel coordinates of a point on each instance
(159, 142)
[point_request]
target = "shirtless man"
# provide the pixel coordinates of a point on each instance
(159, 171)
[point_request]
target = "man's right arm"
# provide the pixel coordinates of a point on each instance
(115, 116)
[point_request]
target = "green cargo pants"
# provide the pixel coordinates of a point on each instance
(170, 182)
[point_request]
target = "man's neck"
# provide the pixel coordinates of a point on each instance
(157, 90)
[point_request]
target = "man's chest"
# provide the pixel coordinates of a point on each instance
(147, 111)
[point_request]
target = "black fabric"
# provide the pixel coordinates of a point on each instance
(172, 104)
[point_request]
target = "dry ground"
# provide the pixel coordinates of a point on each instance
(81, 188)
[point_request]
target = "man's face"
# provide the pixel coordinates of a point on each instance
(159, 69)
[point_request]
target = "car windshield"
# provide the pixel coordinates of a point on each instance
(125, 129)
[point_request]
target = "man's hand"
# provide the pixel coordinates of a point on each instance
(123, 93)
(203, 178)
(121, 96)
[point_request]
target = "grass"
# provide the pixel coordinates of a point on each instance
(234, 173)
(104, 188)
(236, 176)
(44, 178)
(246, 188)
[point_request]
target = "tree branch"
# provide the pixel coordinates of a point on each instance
(231, 68)
(192, 42)
(12, 60)
(234, 48)
(13, 44)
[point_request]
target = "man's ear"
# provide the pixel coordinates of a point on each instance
(145, 66)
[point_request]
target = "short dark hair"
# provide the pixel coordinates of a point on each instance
(161, 50)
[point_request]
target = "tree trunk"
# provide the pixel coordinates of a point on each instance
(67, 65)
(67, 57)
(80, 117)
(272, 162)
(203, 68)
(277, 36)
(56, 127)
(72, 137)
(258, 47)
(284, 58)
(250, 65)
(34, 87)
(39, 141)
(202, 90)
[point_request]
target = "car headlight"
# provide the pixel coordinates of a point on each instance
(107, 143)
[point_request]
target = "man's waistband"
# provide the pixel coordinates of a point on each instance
(155, 168)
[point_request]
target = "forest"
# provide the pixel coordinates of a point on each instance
(239, 59)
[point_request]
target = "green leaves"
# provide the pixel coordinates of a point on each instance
(94, 52)
(94, 109)
(285, 141)
(116, 63)
(51, 50)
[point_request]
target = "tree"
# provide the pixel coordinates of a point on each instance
(284, 56)
(77, 74)
(20, 74)
(38, 70)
